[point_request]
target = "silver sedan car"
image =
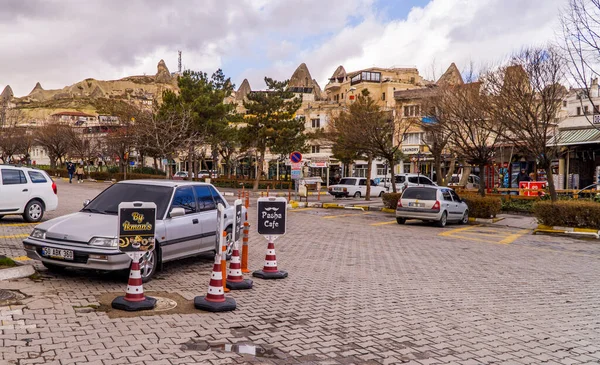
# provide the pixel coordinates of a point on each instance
(437, 204)
(186, 225)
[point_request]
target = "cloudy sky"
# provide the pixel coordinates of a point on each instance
(59, 42)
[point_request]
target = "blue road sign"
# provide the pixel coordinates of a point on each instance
(296, 157)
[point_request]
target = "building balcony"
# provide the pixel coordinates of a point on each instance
(333, 86)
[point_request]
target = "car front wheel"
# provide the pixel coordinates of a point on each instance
(380, 194)
(34, 211)
(148, 264)
(357, 194)
(400, 220)
(443, 220)
(465, 218)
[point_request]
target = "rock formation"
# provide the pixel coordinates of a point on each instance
(243, 90)
(7, 93)
(451, 77)
(162, 74)
(302, 78)
(340, 72)
(37, 87)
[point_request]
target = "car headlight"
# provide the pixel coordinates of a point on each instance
(38, 233)
(104, 241)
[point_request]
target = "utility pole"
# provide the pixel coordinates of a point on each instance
(179, 62)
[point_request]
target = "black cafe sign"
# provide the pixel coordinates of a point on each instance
(272, 216)
(137, 226)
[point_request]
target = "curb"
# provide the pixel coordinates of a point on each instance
(485, 220)
(17, 272)
(578, 232)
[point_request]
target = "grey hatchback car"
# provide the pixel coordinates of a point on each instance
(186, 224)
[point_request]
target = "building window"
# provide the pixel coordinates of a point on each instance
(565, 103)
(315, 149)
(412, 138)
(382, 96)
(585, 110)
(381, 170)
(342, 96)
(316, 123)
(366, 76)
(412, 110)
(578, 110)
(360, 170)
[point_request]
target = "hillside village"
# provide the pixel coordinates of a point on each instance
(400, 91)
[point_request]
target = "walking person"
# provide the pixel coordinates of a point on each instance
(71, 171)
(80, 174)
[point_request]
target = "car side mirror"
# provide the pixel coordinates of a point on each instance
(86, 203)
(177, 212)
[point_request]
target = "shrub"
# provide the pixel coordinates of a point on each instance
(517, 205)
(147, 171)
(480, 207)
(564, 213)
(390, 200)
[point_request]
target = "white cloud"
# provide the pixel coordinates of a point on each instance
(482, 31)
(59, 43)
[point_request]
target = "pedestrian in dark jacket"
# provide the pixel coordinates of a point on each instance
(71, 171)
(523, 176)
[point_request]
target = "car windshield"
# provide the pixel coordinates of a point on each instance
(454, 179)
(419, 193)
(108, 201)
(399, 179)
(347, 182)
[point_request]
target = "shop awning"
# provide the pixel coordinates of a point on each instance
(569, 137)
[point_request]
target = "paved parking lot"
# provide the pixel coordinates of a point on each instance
(361, 290)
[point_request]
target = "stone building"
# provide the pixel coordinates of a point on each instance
(410, 116)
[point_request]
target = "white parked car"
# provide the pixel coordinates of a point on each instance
(403, 180)
(186, 225)
(26, 191)
(437, 204)
(356, 187)
(472, 181)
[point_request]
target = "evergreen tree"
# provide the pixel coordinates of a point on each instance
(271, 122)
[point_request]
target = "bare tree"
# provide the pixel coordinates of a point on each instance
(56, 139)
(85, 146)
(580, 22)
(526, 97)
(474, 135)
(166, 132)
(13, 135)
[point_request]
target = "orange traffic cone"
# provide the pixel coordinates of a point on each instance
(270, 270)
(235, 279)
(215, 300)
(134, 299)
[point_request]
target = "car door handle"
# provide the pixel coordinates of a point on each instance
(24, 190)
(194, 221)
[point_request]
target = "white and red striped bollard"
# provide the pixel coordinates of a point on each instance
(215, 300)
(270, 270)
(235, 278)
(134, 299)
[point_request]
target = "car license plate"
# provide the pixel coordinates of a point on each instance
(418, 205)
(56, 253)
(337, 189)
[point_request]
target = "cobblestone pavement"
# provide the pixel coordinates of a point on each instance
(361, 290)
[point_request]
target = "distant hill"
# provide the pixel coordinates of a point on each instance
(81, 96)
